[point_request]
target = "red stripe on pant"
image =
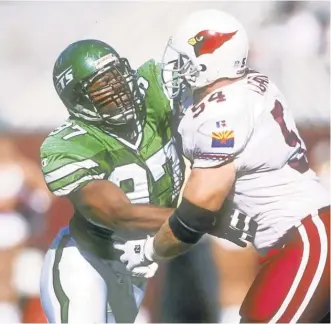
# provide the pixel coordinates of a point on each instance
(279, 292)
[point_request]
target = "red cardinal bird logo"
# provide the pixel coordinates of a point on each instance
(207, 41)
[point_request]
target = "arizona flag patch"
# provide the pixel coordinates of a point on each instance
(223, 139)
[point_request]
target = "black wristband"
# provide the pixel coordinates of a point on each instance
(189, 221)
(182, 232)
(195, 217)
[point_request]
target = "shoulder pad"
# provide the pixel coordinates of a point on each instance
(71, 135)
(151, 71)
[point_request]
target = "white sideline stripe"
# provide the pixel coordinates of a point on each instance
(298, 277)
(67, 189)
(320, 268)
(68, 169)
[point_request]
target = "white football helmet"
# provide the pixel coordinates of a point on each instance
(209, 45)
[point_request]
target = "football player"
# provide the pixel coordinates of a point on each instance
(242, 141)
(113, 158)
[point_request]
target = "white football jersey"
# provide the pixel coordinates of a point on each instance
(248, 122)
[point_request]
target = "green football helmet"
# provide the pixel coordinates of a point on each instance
(96, 84)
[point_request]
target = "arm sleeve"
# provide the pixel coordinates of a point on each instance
(67, 171)
(221, 139)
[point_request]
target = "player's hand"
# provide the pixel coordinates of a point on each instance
(235, 226)
(233, 235)
(145, 271)
(136, 252)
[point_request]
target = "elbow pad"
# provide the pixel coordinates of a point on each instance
(190, 222)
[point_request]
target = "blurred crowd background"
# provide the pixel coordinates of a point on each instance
(290, 42)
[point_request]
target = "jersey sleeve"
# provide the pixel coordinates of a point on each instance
(221, 139)
(68, 166)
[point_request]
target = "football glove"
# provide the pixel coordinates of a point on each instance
(137, 253)
(234, 226)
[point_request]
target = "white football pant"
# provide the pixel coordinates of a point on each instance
(78, 287)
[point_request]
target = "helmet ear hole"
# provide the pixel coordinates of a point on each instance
(83, 100)
(203, 67)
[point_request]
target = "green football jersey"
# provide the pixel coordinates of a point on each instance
(149, 171)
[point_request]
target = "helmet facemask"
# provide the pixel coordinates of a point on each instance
(178, 71)
(113, 93)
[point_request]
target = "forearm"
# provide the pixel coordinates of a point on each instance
(139, 218)
(197, 212)
(104, 203)
(143, 217)
(166, 245)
